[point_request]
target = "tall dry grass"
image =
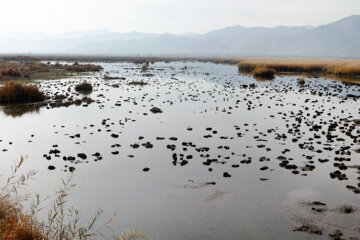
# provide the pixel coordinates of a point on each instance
(76, 67)
(263, 72)
(62, 222)
(338, 67)
(15, 92)
(14, 224)
(145, 66)
(12, 70)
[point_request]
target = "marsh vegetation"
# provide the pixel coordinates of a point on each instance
(83, 87)
(16, 92)
(338, 67)
(22, 70)
(263, 72)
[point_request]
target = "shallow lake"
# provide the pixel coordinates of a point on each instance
(229, 157)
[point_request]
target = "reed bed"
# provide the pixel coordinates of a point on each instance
(263, 72)
(338, 67)
(76, 67)
(15, 92)
(10, 70)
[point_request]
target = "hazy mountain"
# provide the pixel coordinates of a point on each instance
(337, 39)
(79, 34)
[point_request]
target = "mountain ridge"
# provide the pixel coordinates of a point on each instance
(336, 39)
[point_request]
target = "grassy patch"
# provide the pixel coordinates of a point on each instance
(263, 72)
(11, 73)
(83, 87)
(15, 92)
(76, 67)
(145, 67)
(38, 70)
(301, 81)
(52, 75)
(338, 67)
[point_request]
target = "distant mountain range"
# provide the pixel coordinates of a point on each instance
(337, 39)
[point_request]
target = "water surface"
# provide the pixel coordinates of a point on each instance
(215, 122)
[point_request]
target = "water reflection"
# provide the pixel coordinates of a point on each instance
(19, 110)
(85, 92)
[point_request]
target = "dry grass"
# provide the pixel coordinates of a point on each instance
(339, 67)
(15, 70)
(145, 66)
(14, 92)
(83, 87)
(14, 225)
(62, 223)
(20, 58)
(76, 67)
(18, 224)
(11, 72)
(343, 70)
(264, 72)
(301, 81)
(287, 63)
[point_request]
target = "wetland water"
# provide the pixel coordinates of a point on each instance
(229, 157)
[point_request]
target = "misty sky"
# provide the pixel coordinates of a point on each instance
(175, 16)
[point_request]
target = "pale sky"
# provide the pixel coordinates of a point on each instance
(174, 16)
